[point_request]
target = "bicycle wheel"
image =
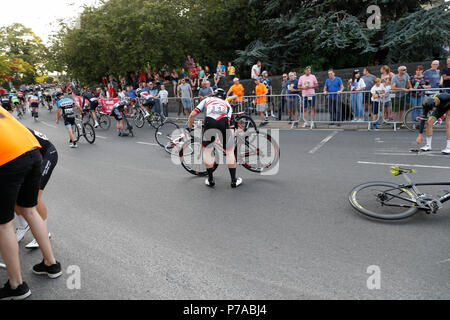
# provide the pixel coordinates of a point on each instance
(155, 120)
(138, 119)
(76, 132)
(191, 156)
(104, 121)
(245, 124)
(166, 133)
(408, 121)
(383, 200)
(89, 133)
(257, 152)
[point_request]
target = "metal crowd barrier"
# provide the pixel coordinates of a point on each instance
(347, 108)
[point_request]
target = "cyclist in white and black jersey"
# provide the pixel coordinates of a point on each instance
(217, 120)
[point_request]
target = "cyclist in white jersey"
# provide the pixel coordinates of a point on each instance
(217, 124)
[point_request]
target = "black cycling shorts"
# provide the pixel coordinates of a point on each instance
(7, 106)
(20, 180)
(439, 112)
(117, 114)
(94, 105)
(49, 161)
(69, 121)
(34, 105)
(217, 129)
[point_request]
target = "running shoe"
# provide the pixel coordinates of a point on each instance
(21, 232)
(236, 183)
(426, 148)
(20, 293)
(53, 271)
(446, 151)
(34, 244)
(210, 183)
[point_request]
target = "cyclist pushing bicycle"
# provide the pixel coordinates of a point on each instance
(217, 120)
(441, 105)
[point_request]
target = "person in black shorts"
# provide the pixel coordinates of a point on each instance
(49, 161)
(93, 105)
(20, 172)
(441, 105)
(118, 112)
(217, 127)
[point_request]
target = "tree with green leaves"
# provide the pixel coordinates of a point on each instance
(22, 54)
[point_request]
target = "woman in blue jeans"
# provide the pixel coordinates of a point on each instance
(357, 84)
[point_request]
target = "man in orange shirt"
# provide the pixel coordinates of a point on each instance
(236, 92)
(261, 101)
(20, 174)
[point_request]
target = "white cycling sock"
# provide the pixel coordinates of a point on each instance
(22, 222)
(429, 141)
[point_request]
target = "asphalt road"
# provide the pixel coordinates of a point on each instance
(139, 227)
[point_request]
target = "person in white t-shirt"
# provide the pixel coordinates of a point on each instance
(163, 97)
(256, 70)
(357, 84)
(122, 95)
(378, 92)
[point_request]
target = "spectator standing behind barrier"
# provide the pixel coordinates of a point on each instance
(174, 78)
(283, 100)
(357, 84)
(261, 100)
(433, 74)
(185, 93)
(256, 70)
(231, 71)
(446, 76)
(378, 94)
(153, 91)
(401, 85)
(307, 83)
(236, 93)
(268, 83)
(333, 89)
(164, 100)
(220, 73)
(111, 92)
(368, 80)
(205, 91)
(293, 98)
(387, 99)
(418, 81)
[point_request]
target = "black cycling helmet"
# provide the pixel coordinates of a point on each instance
(220, 93)
(429, 103)
(59, 94)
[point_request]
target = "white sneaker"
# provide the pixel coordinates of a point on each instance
(34, 244)
(313, 125)
(272, 115)
(446, 151)
(426, 148)
(237, 183)
(305, 124)
(20, 233)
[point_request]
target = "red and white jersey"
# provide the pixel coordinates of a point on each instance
(216, 108)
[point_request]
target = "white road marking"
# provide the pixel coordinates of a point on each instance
(426, 154)
(448, 260)
(49, 125)
(322, 143)
(403, 165)
(101, 137)
(148, 144)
